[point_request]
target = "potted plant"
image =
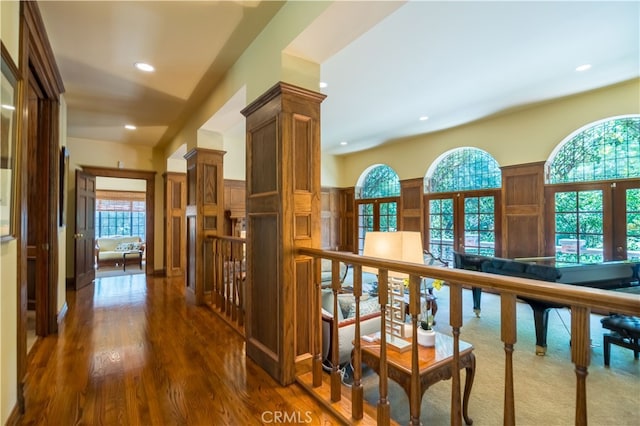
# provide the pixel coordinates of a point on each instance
(426, 333)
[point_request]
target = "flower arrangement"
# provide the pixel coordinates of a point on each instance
(426, 318)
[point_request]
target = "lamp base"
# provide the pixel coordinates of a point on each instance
(398, 344)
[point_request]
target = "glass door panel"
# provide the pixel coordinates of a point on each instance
(633, 223)
(579, 231)
(479, 225)
(441, 228)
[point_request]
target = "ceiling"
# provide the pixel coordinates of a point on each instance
(386, 63)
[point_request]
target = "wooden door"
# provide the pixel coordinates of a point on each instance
(84, 236)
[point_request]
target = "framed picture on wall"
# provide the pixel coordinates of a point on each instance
(8, 136)
(64, 171)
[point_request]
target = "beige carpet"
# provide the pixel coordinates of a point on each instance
(545, 386)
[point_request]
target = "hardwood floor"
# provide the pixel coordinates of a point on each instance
(132, 351)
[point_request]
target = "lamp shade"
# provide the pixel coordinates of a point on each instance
(405, 246)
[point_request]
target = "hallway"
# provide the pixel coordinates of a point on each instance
(131, 351)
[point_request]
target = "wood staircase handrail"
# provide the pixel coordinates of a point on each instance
(567, 294)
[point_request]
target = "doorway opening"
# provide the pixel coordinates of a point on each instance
(134, 182)
(120, 226)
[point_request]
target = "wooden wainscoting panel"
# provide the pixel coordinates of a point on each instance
(347, 222)
(411, 205)
(523, 210)
(175, 224)
(264, 173)
(264, 288)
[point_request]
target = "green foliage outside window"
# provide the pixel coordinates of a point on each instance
(381, 181)
(579, 228)
(463, 170)
(633, 224)
(607, 150)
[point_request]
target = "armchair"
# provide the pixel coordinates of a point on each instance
(369, 322)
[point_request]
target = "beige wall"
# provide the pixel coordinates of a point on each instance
(264, 54)
(9, 34)
(519, 137)
(107, 154)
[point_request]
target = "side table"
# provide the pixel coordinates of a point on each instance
(124, 258)
(435, 365)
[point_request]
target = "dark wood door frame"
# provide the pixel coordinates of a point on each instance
(150, 178)
(36, 61)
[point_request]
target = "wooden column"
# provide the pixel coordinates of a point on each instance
(175, 240)
(204, 216)
(283, 213)
(523, 210)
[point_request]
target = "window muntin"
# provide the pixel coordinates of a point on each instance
(607, 150)
(464, 169)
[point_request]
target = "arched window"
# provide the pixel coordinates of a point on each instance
(378, 181)
(377, 196)
(595, 194)
(463, 169)
(462, 190)
(606, 150)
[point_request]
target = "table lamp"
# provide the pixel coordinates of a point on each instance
(405, 246)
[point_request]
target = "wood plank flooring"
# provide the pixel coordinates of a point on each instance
(132, 351)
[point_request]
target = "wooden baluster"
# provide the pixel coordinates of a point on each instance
(242, 283)
(357, 392)
(229, 280)
(336, 391)
(455, 320)
(509, 337)
(317, 329)
(384, 407)
(414, 311)
(581, 357)
(234, 281)
(219, 275)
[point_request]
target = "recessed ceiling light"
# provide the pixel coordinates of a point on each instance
(129, 127)
(9, 107)
(343, 143)
(144, 67)
(424, 117)
(323, 84)
(583, 67)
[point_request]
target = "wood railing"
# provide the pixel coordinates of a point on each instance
(225, 275)
(580, 300)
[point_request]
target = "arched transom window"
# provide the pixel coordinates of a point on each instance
(606, 150)
(463, 169)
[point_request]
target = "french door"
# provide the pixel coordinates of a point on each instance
(466, 222)
(594, 222)
(376, 215)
